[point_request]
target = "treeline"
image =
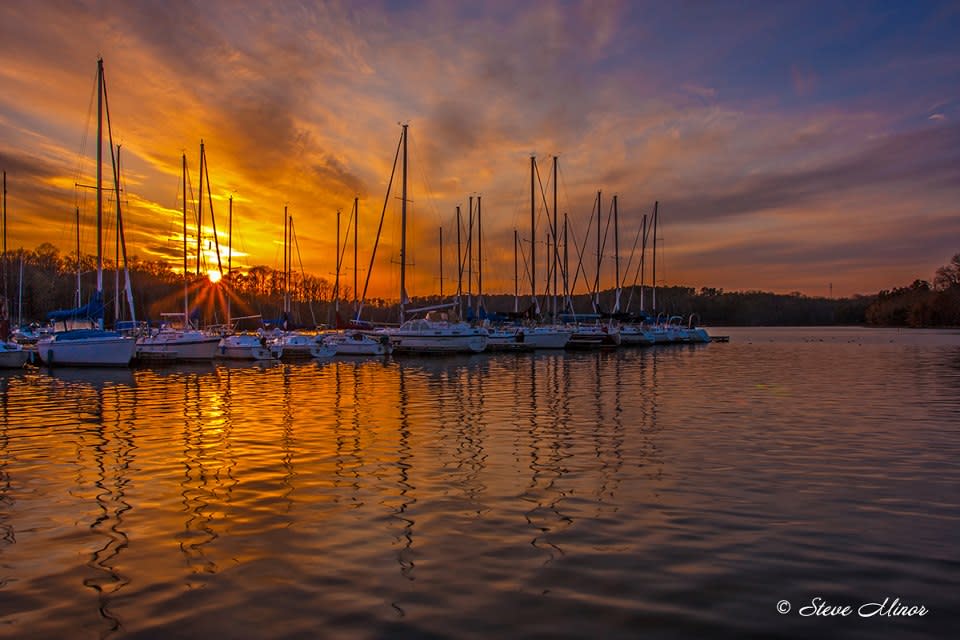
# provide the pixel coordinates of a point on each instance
(49, 282)
(922, 304)
(712, 307)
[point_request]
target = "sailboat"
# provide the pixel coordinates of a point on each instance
(12, 354)
(438, 332)
(90, 346)
(176, 339)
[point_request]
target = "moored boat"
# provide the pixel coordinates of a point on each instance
(435, 334)
(12, 355)
(357, 343)
(92, 346)
(245, 346)
(301, 346)
(87, 347)
(175, 340)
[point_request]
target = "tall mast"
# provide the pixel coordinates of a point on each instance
(5, 235)
(127, 285)
(356, 226)
(516, 275)
(596, 283)
(470, 256)
(289, 259)
(616, 253)
(566, 264)
(336, 281)
(200, 210)
(99, 187)
(441, 263)
(479, 256)
(290, 270)
(459, 268)
(213, 218)
(78, 256)
(229, 257)
(548, 247)
(116, 264)
(403, 233)
(533, 229)
(643, 260)
(655, 216)
(186, 290)
(556, 261)
(20, 294)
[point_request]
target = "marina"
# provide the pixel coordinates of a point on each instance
(433, 320)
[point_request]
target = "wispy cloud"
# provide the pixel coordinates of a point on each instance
(739, 121)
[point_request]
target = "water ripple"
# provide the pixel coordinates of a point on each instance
(656, 492)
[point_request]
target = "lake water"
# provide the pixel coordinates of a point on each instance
(660, 492)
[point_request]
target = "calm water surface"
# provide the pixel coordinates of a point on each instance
(666, 492)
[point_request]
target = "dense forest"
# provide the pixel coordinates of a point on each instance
(42, 280)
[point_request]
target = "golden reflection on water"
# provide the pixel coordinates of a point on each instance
(389, 490)
(222, 459)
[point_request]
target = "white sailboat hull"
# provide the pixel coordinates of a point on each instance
(244, 347)
(303, 347)
(594, 337)
(191, 346)
(546, 338)
(96, 349)
(358, 344)
(632, 335)
(423, 336)
(12, 356)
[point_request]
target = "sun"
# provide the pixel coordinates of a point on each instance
(214, 276)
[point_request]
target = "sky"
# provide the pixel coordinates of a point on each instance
(790, 146)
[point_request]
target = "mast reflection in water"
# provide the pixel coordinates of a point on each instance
(673, 491)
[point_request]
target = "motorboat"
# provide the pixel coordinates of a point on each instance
(247, 346)
(357, 343)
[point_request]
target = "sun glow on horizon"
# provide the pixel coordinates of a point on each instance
(214, 276)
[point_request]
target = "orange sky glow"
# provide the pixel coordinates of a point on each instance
(790, 150)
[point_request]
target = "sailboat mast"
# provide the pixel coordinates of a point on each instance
(533, 229)
(556, 256)
(479, 255)
(20, 294)
(470, 255)
(200, 209)
(229, 257)
(356, 226)
(643, 265)
(516, 275)
(655, 216)
(441, 263)
(596, 283)
(78, 256)
(5, 235)
(186, 290)
(127, 285)
(283, 280)
(566, 265)
(459, 268)
(116, 264)
(403, 232)
(100, 183)
(616, 253)
(336, 281)
(290, 272)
